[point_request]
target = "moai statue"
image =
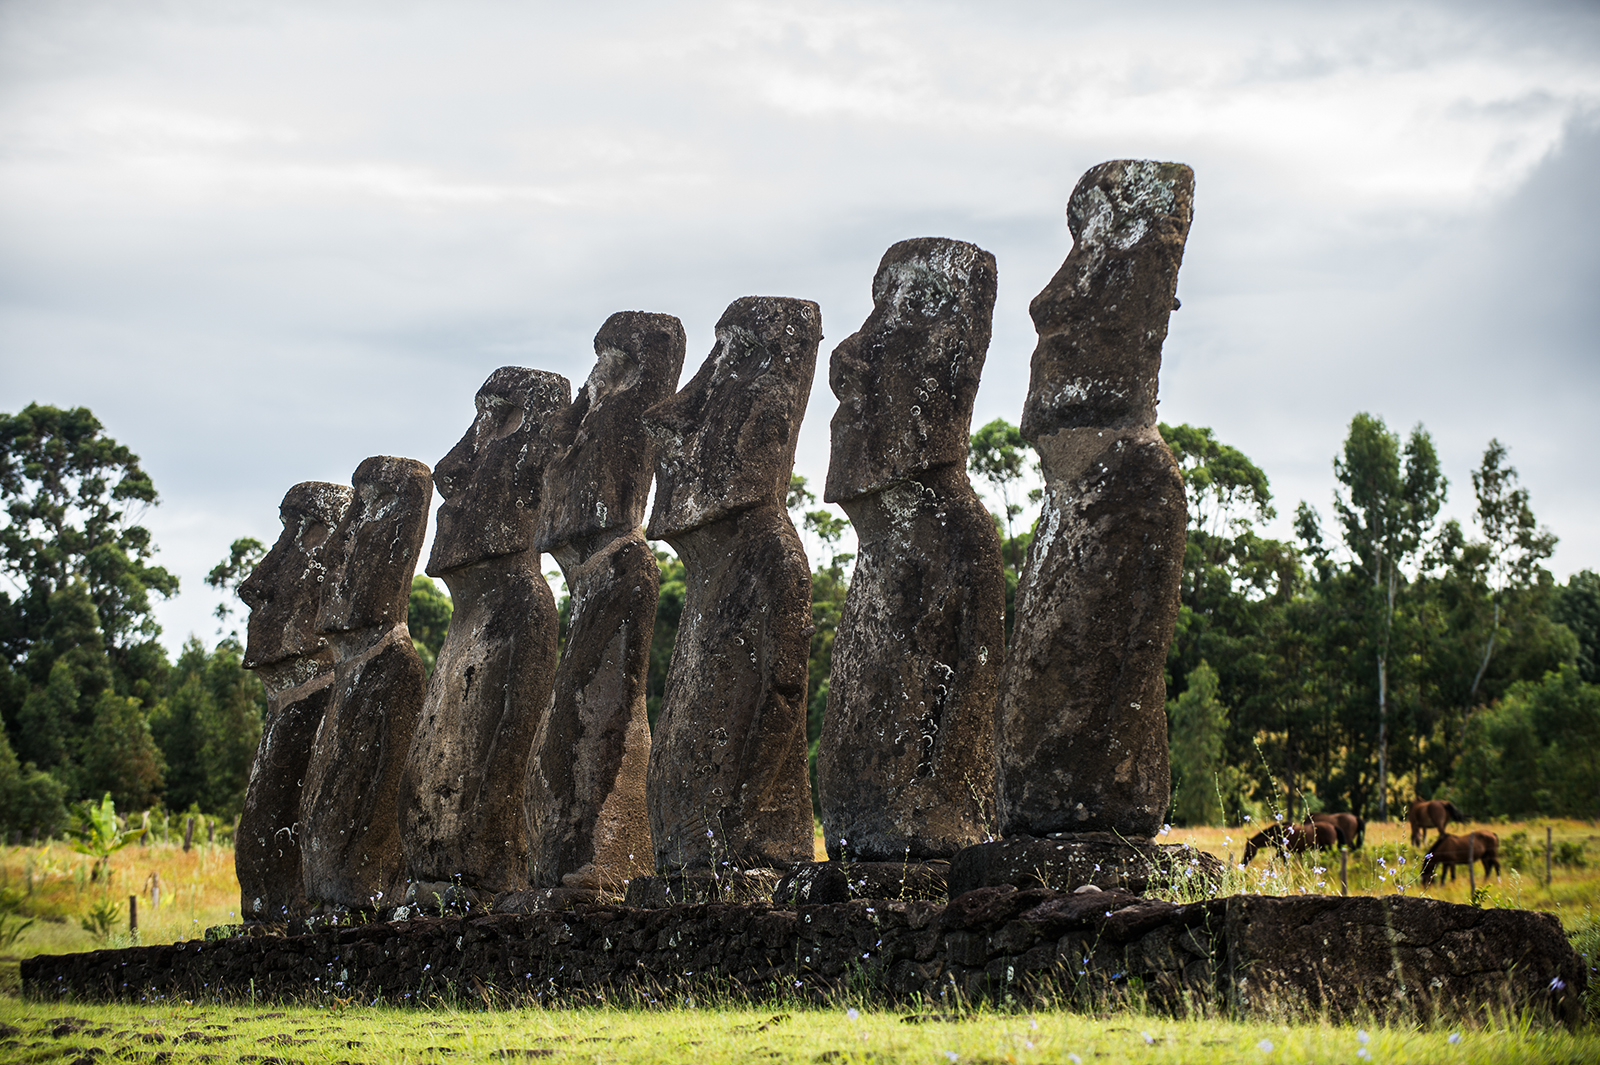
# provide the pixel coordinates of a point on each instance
(351, 857)
(295, 664)
(1082, 736)
(464, 789)
(727, 781)
(905, 765)
(587, 822)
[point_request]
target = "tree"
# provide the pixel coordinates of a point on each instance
(1577, 606)
(428, 616)
(208, 727)
(829, 587)
(72, 496)
(1196, 725)
(120, 755)
(998, 454)
(1386, 511)
(30, 798)
(226, 576)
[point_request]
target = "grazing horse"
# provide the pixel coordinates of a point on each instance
(1451, 851)
(1424, 815)
(1352, 829)
(1292, 839)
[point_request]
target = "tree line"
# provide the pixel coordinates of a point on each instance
(1378, 656)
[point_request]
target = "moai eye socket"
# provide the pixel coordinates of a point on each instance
(507, 418)
(312, 535)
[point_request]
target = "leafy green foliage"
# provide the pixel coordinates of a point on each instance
(243, 557)
(1536, 751)
(99, 833)
(102, 918)
(428, 617)
(1197, 723)
(208, 728)
(669, 609)
(1577, 606)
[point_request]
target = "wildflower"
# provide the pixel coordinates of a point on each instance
(952, 1055)
(1227, 839)
(1028, 1043)
(1247, 817)
(1558, 984)
(1455, 1037)
(1034, 1024)
(708, 834)
(1265, 1046)
(1148, 1038)
(853, 1014)
(1362, 1036)
(1364, 1053)
(1075, 1059)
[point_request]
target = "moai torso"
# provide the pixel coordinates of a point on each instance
(905, 764)
(295, 663)
(464, 790)
(588, 826)
(727, 782)
(1082, 736)
(351, 858)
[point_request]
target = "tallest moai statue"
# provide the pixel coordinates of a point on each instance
(1082, 735)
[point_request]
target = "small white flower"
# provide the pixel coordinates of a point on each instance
(853, 1014)
(1028, 1043)
(1033, 1024)
(1362, 1036)
(1558, 984)
(1265, 1046)
(1363, 1053)
(952, 1055)
(1148, 1038)
(1075, 1059)
(1455, 1037)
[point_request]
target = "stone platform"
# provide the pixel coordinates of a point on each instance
(1256, 955)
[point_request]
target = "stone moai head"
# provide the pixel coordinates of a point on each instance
(491, 480)
(906, 380)
(599, 478)
(379, 541)
(726, 441)
(284, 591)
(1103, 317)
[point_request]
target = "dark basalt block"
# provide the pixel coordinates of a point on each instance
(905, 763)
(689, 886)
(1081, 736)
(464, 790)
(1068, 862)
(816, 883)
(351, 858)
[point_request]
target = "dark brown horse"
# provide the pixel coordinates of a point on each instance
(1451, 851)
(1292, 839)
(1352, 829)
(1425, 814)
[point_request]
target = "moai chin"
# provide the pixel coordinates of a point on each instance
(295, 664)
(727, 781)
(1082, 734)
(351, 858)
(462, 797)
(905, 765)
(587, 822)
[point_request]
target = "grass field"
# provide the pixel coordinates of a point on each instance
(198, 889)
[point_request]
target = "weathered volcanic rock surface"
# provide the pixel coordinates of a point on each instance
(351, 857)
(1068, 862)
(463, 793)
(1412, 958)
(727, 782)
(1082, 730)
(905, 763)
(294, 662)
(587, 816)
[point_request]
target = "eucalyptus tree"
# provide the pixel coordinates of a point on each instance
(1386, 510)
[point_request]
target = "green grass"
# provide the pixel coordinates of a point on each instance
(707, 1036)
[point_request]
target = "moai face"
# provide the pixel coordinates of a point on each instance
(284, 591)
(379, 539)
(907, 379)
(726, 441)
(491, 480)
(1103, 318)
(599, 478)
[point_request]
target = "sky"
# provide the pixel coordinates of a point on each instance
(262, 241)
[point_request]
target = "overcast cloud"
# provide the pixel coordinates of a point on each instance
(265, 240)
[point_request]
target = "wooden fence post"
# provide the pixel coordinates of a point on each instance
(1546, 856)
(188, 832)
(1344, 871)
(133, 915)
(1472, 876)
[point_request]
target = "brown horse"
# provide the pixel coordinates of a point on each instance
(1451, 851)
(1351, 828)
(1425, 814)
(1292, 839)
